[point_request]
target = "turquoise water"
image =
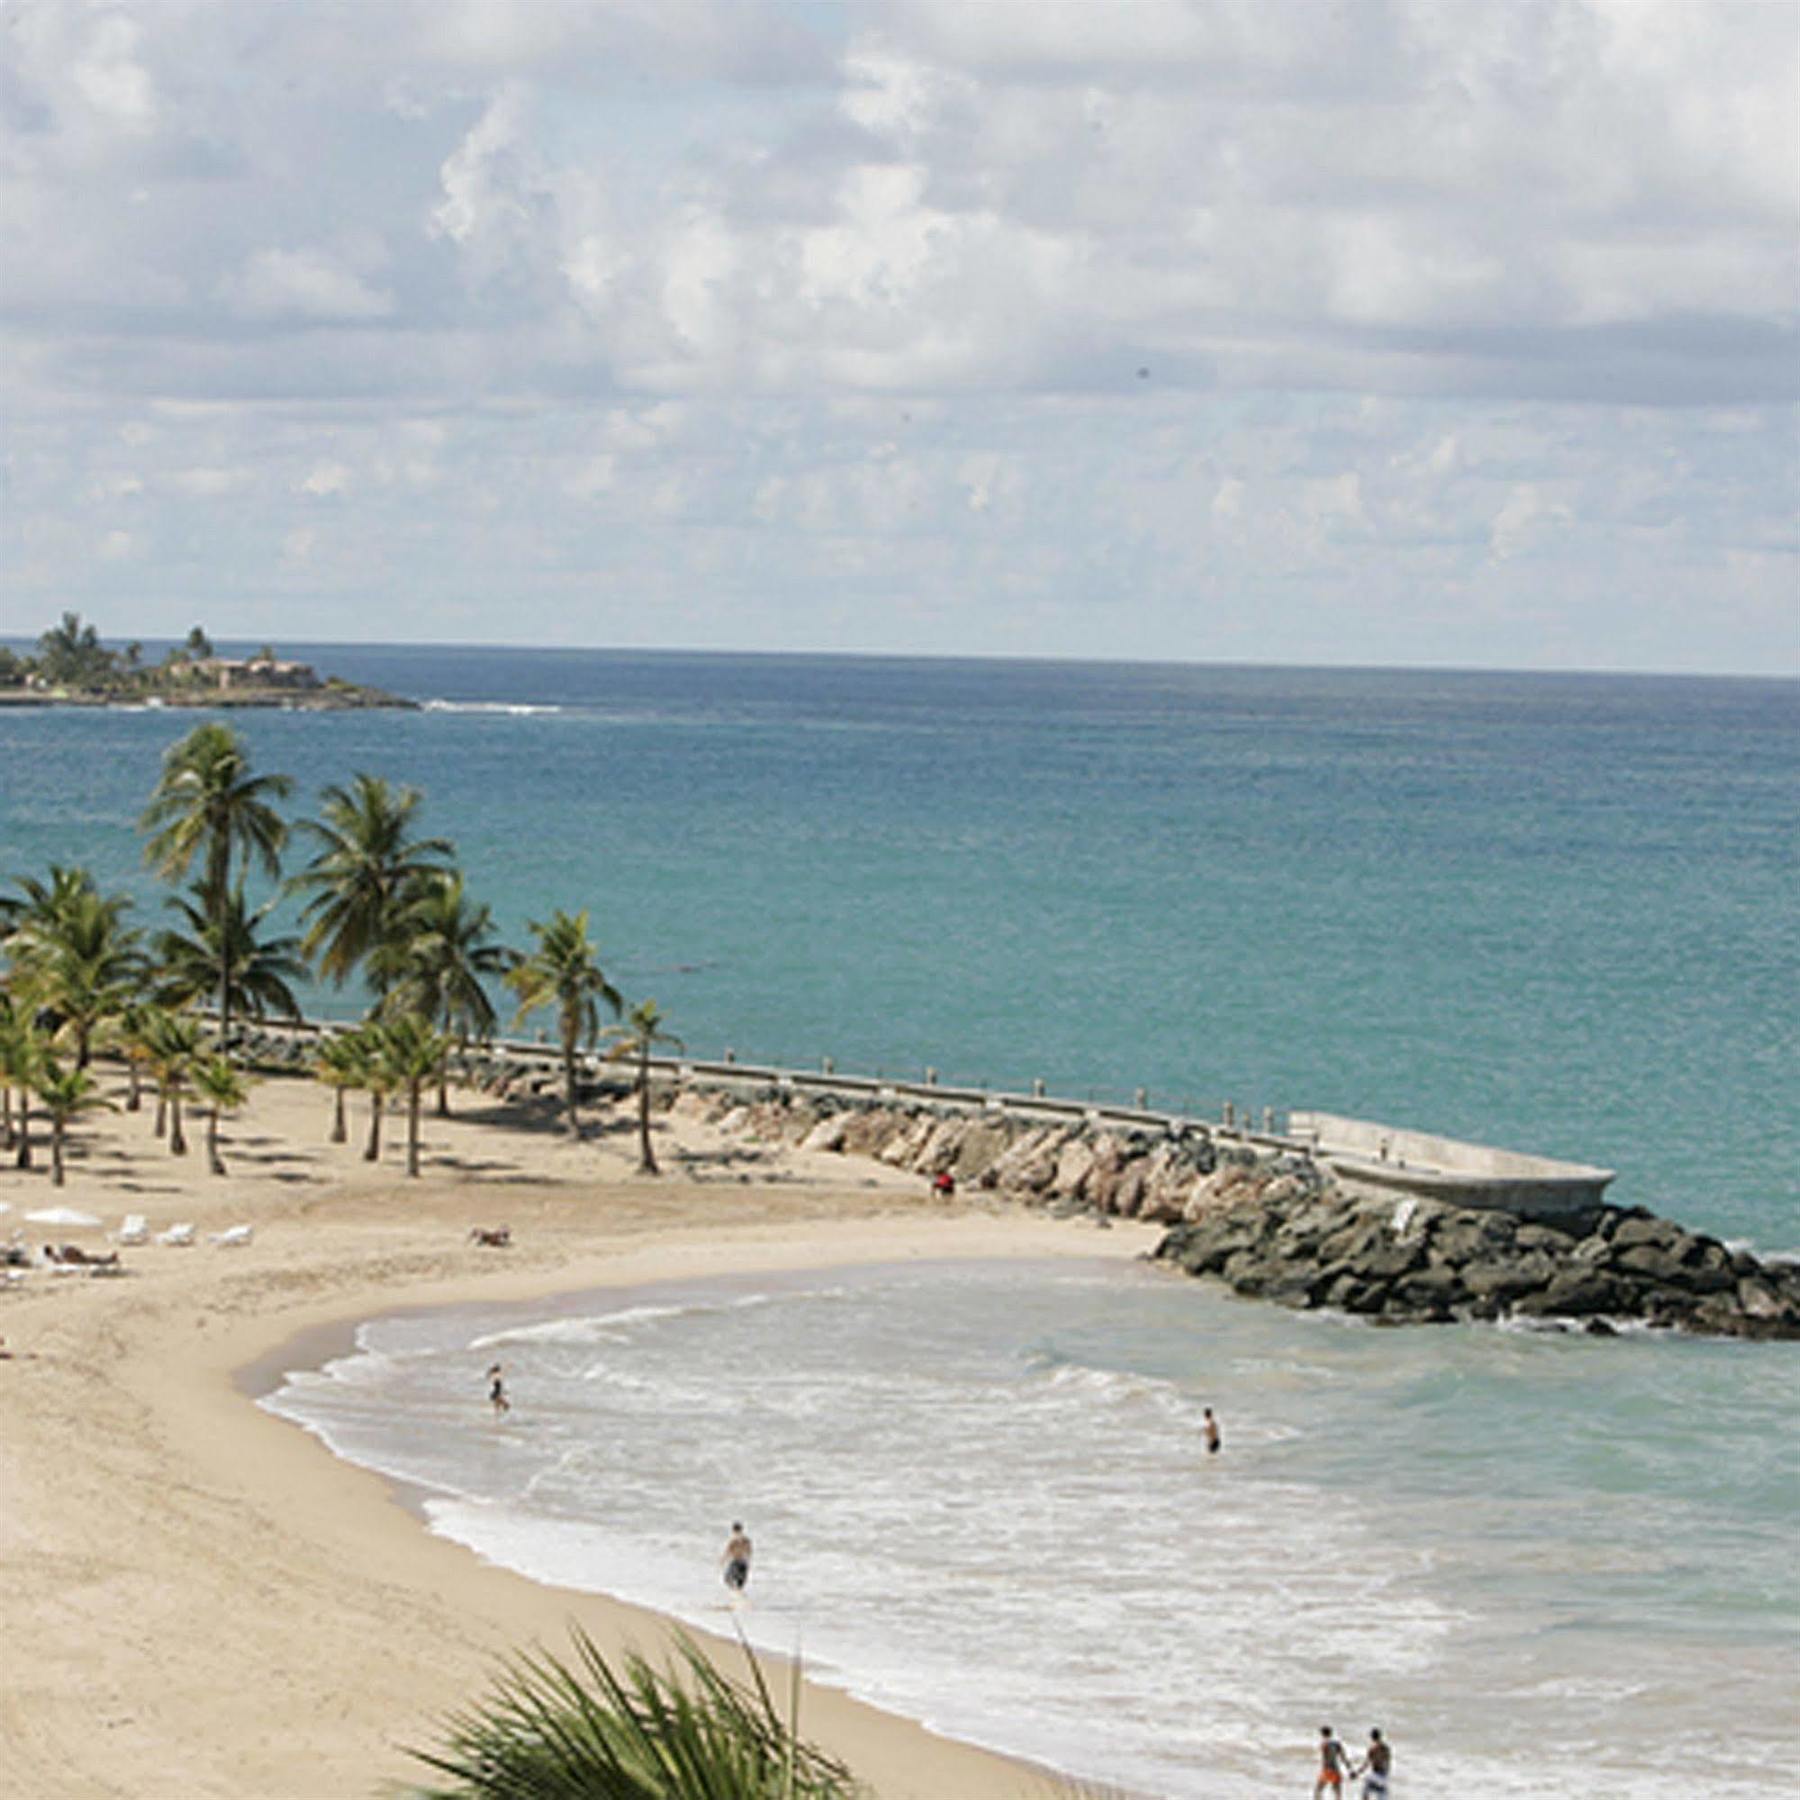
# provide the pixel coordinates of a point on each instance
(1555, 912)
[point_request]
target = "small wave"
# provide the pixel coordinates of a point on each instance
(508, 708)
(612, 1327)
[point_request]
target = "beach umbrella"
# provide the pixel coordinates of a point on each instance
(65, 1216)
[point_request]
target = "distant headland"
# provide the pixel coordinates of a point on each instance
(73, 667)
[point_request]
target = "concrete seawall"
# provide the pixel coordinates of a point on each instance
(1366, 1157)
(1373, 1159)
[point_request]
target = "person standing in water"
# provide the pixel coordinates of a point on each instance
(1334, 1764)
(497, 1391)
(1210, 1430)
(1376, 1766)
(737, 1559)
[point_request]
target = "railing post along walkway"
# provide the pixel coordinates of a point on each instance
(827, 1081)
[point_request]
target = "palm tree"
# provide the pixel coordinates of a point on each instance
(224, 1089)
(221, 954)
(64, 1093)
(133, 1045)
(209, 805)
(363, 876)
(379, 1079)
(444, 951)
(22, 1052)
(174, 1041)
(410, 1051)
(636, 1038)
(342, 1063)
(75, 959)
(564, 971)
(39, 903)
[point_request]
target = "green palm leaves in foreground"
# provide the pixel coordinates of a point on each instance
(581, 1730)
(363, 876)
(563, 971)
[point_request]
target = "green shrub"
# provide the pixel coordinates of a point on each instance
(580, 1730)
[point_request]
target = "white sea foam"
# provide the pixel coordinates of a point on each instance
(508, 709)
(976, 1503)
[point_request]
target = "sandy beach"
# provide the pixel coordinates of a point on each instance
(196, 1598)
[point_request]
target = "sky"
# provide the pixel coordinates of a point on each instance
(1407, 332)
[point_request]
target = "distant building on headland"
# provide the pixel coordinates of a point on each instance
(227, 672)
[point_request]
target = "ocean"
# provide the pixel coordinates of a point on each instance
(1552, 912)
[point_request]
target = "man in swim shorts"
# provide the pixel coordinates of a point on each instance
(1334, 1764)
(497, 1391)
(1375, 1767)
(1210, 1429)
(737, 1559)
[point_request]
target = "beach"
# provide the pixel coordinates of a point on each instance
(198, 1598)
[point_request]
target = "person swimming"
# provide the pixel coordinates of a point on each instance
(497, 1391)
(1210, 1431)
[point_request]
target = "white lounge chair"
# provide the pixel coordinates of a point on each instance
(232, 1237)
(177, 1234)
(132, 1230)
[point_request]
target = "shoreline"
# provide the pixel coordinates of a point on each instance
(325, 1340)
(172, 1548)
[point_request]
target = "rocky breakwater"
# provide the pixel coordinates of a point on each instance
(1421, 1261)
(1068, 1165)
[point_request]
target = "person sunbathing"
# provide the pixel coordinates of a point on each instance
(74, 1257)
(494, 1237)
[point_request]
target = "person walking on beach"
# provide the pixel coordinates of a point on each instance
(497, 1391)
(737, 1559)
(1334, 1764)
(1210, 1428)
(1375, 1766)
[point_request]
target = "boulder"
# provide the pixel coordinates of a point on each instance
(828, 1134)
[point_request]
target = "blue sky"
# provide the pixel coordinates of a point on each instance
(1402, 331)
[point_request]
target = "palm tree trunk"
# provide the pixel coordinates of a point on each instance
(569, 1085)
(372, 1149)
(412, 1127)
(134, 1095)
(646, 1156)
(6, 1122)
(340, 1129)
(23, 1159)
(56, 1149)
(214, 1160)
(162, 1108)
(443, 1087)
(177, 1137)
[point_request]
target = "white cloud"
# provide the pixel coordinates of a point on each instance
(304, 284)
(972, 313)
(325, 479)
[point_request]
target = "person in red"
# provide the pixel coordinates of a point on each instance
(1334, 1764)
(943, 1182)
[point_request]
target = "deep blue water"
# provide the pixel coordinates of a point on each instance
(1554, 912)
